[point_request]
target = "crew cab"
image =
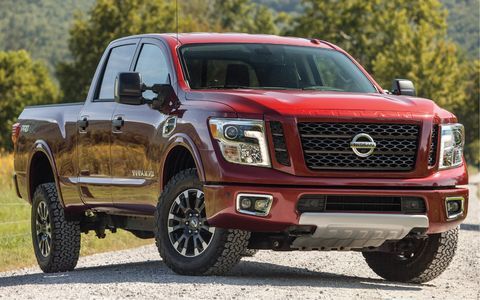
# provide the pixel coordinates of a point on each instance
(220, 144)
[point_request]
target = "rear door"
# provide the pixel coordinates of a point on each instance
(95, 129)
(136, 151)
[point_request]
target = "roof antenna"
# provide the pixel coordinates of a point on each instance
(176, 17)
(176, 21)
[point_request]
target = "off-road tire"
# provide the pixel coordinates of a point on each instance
(249, 252)
(433, 258)
(65, 241)
(225, 249)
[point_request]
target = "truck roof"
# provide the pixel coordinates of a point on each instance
(210, 37)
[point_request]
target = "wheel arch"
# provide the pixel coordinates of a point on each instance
(41, 159)
(180, 147)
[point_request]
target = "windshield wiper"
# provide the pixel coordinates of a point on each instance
(322, 88)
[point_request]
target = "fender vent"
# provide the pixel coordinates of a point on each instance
(278, 138)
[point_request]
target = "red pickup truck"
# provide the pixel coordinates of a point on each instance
(215, 144)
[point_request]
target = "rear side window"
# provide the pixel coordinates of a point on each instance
(152, 66)
(118, 61)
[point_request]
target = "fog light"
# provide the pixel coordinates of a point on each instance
(254, 204)
(261, 204)
(245, 203)
(454, 207)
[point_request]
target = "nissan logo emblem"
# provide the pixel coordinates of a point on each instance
(363, 145)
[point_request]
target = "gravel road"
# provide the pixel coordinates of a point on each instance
(139, 273)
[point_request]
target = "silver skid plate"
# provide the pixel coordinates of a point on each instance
(346, 231)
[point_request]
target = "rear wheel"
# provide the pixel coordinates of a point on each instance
(424, 262)
(56, 241)
(187, 244)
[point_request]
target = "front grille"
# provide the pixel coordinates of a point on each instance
(278, 137)
(432, 155)
(341, 203)
(326, 146)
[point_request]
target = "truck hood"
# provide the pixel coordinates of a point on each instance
(313, 103)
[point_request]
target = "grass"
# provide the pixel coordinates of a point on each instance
(16, 248)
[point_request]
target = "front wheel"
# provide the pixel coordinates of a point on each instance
(426, 261)
(56, 241)
(187, 244)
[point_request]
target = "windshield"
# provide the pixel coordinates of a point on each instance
(267, 66)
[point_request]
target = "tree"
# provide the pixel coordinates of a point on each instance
(40, 27)
(364, 28)
(425, 57)
(463, 27)
(243, 16)
(468, 112)
(23, 82)
(106, 21)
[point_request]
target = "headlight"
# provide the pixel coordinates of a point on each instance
(451, 145)
(241, 141)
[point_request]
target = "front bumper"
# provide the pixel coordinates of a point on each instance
(222, 212)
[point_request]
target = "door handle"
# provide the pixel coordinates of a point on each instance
(83, 123)
(118, 123)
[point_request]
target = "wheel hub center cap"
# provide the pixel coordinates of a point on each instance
(194, 223)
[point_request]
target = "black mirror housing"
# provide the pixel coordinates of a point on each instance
(129, 88)
(165, 93)
(403, 87)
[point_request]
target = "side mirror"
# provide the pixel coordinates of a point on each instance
(165, 94)
(129, 88)
(403, 87)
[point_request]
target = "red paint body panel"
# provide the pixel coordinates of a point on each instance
(283, 213)
(143, 146)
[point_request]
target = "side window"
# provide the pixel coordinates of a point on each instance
(152, 66)
(118, 61)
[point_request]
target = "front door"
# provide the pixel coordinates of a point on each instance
(135, 149)
(95, 131)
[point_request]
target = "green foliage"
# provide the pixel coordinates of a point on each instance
(38, 26)
(243, 16)
(23, 81)
(468, 112)
(364, 28)
(289, 6)
(463, 24)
